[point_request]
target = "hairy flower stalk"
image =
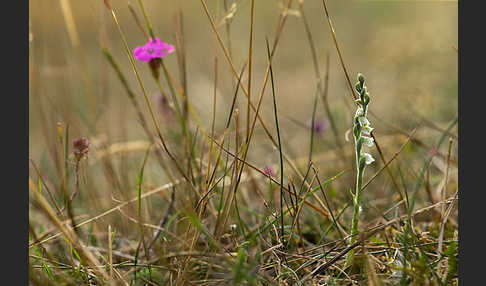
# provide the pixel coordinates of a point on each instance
(361, 132)
(80, 150)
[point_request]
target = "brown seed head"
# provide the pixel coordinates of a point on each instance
(80, 147)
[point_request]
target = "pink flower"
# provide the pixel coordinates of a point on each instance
(268, 171)
(433, 152)
(319, 126)
(152, 49)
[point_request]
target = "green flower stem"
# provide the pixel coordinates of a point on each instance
(357, 207)
(171, 88)
(175, 106)
(159, 85)
(361, 126)
(147, 21)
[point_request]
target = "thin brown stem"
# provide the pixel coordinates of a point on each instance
(250, 48)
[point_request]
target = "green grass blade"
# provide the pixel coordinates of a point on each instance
(279, 143)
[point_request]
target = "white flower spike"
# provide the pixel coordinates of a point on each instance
(362, 137)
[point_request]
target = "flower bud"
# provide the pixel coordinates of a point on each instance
(154, 66)
(366, 99)
(268, 170)
(363, 93)
(361, 79)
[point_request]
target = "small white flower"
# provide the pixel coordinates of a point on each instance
(363, 121)
(368, 141)
(360, 112)
(367, 129)
(368, 158)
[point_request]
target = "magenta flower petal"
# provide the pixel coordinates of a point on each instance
(158, 54)
(154, 48)
(141, 54)
(168, 48)
(137, 51)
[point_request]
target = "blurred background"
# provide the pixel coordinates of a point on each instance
(407, 51)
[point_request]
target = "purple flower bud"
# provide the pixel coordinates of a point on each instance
(268, 171)
(164, 106)
(319, 126)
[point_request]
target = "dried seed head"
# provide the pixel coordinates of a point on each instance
(80, 147)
